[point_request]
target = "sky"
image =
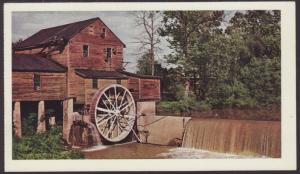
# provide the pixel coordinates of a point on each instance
(25, 24)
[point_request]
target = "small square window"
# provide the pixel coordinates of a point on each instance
(95, 83)
(36, 82)
(85, 50)
(119, 81)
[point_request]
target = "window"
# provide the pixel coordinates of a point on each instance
(119, 81)
(108, 54)
(95, 83)
(85, 52)
(103, 34)
(91, 30)
(36, 82)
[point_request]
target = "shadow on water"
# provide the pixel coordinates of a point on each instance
(128, 151)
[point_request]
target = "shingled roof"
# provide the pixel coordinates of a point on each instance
(35, 63)
(138, 75)
(99, 74)
(63, 32)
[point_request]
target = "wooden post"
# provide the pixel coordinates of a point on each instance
(41, 126)
(67, 117)
(17, 119)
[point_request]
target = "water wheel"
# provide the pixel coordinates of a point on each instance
(114, 111)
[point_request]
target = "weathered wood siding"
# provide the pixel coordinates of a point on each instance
(90, 91)
(76, 87)
(62, 57)
(53, 86)
(149, 89)
(144, 89)
(133, 87)
(91, 36)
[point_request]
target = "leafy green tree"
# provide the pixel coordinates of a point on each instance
(185, 31)
(238, 67)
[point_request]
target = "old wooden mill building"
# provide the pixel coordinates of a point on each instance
(67, 67)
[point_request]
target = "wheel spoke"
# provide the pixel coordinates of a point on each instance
(109, 100)
(102, 115)
(115, 88)
(111, 127)
(123, 98)
(126, 106)
(104, 119)
(105, 104)
(105, 110)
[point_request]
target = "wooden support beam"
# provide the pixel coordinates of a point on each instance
(17, 119)
(67, 117)
(41, 126)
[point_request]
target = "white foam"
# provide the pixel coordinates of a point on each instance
(191, 153)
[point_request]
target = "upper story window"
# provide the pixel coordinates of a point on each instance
(103, 33)
(95, 83)
(85, 50)
(108, 54)
(36, 82)
(91, 30)
(119, 81)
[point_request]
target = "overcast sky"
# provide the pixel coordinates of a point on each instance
(25, 24)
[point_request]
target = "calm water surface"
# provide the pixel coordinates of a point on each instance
(150, 151)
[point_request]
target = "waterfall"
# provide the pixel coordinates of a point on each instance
(234, 136)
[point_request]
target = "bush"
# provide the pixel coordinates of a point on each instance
(29, 124)
(43, 146)
(184, 105)
(168, 107)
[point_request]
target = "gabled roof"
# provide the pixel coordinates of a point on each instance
(63, 32)
(99, 74)
(35, 63)
(139, 75)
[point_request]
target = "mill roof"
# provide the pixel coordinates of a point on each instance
(99, 74)
(35, 63)
(139, 75)
(62, 32)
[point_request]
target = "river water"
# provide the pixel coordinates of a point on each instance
(150, 151)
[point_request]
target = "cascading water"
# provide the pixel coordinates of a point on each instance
(234, 136)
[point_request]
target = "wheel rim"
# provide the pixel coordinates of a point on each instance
(115, 113)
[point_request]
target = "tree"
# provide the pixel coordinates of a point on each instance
(185, 31)
(260, 58)
(238, 67)
(149, 38)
